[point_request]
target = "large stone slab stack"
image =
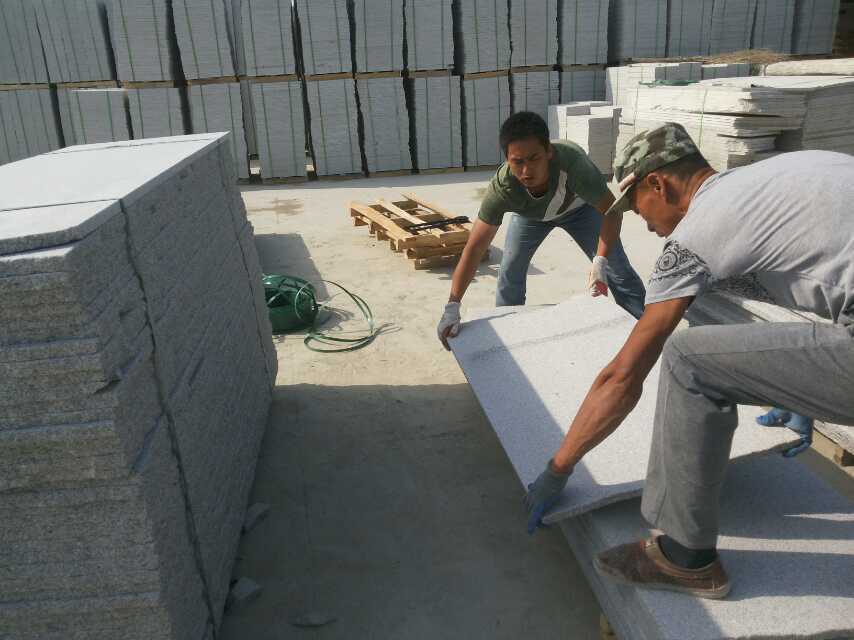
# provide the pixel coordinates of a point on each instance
(334, 126)
(584, 84)
(485, 36)
(438, 125)
(143, 41)
(535, 91)
(558, 114)
(267, 37)
(386, 123)
(429, 34)
(622, 83)
(593, 126)
(487, 105)
(379, 35)
(91, 116)
(280, 124)
(75, 39)
(534, 33)
(724, 70)
(583, 31)
(156, 112)
(637, 29)
(21, 56)
(137, 365)
(774, 25)
(732, 23)
(815, 26)
(219, 107)
(690, 27)
(325, 29)
(30, 123)
(204, 43)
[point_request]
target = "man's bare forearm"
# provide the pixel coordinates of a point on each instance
(609, 235)
(465, 270)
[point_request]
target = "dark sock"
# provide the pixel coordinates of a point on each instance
(685, 557)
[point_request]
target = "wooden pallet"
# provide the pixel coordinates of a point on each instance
(440, 171)
(427, 248)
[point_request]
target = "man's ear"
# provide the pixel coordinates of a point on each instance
(550, 153)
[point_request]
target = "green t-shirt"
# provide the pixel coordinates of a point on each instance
(573, 180)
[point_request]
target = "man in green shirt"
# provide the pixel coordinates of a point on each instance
(546, 185)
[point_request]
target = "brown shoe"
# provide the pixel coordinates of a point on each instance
(642, 564)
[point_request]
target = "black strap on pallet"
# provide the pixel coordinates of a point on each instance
(437, 224)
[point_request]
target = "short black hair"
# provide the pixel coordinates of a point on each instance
(686, 167)
(522, 125)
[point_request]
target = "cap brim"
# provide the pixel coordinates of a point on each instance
(621, 204)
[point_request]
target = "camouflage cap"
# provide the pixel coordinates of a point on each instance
(646, 152)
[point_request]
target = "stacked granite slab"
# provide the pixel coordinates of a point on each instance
(267, 37)
(386, 122)
(156, 113)
(334, 127)
(484, 35)
(586, 84)
(142, 39)
(279, 128)
(637, 29)
(379, 30)
(201, 30)
(75, 39)
(725, 70)
(234, 24)
(91, 116)
(535, 91)
(690, 27)
(438, 122)
(248, 116)
(732, 23)
(592, 126)
(21, 57)
(219, 107)
(774, 25)
(534, 32)
(429, 34)
(814, 26)
(30, 124)
(558, 114)
(622, 83)
(583, 32)
(325, 30)
(137, 366)
(487, 105)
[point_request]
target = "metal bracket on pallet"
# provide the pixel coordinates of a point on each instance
(438, 224)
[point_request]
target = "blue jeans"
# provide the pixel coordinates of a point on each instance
(524, 238)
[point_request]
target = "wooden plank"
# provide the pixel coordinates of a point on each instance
(542, 68)
(437, 208)
(486, 74)
(150, 84)
(408, 216)
(290, 77)
(346, 75)
(18, 87)
(379, 219)
(431, 263)
(89, 84)
(204, 81)
(429, 252)
(432, 73)
(367, 75)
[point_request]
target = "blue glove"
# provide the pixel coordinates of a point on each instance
(542, 495)
(794, 421)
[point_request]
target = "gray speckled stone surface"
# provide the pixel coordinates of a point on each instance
(487, 103)
(279, 128)
(334, 128)
(438, 122)
(386, 122)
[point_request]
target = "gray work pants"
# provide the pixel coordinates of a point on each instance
(705, 373)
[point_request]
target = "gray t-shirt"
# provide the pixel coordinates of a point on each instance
(780, 230)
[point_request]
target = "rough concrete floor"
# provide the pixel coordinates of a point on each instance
(395, 513)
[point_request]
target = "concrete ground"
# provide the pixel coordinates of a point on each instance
(395, 512)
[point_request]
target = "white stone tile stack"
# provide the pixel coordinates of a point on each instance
(90, 116)
(267, 38)
(732, 23)
(279, 128)
(485, 35)
(690, 27)
(204, 44)
(815, 26)
(725, 70)
(487, 104)
(30, 124)
(594, 126)
(774, 25)
(437, 114)
(379, 35)
(156, 112)
(583, 32)
(334, 128)
(75, 39)
(140, 33)
(219, 107)
(582, 85)
(534, 33)
(429, 34)
(325, 29)
(137, 363)
(637, 29)
(558, 114)
(535, 91)
(386, 122)
(21, 57)
(622, 82)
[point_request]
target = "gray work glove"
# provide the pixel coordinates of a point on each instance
(449, 325)
(542, 495)
(597, 281)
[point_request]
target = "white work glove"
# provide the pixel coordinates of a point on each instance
(597, 282)
(449, 325)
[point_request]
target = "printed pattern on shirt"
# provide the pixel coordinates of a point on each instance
(676, 262)
(746, 286)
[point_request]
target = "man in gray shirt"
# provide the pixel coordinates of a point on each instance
(781, 230)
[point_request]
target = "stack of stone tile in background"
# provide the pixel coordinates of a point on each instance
(140, 32)
(774, 25)
(724, 70)
(76, 40)
(558, 114)
(690, 27)
(487, 104)
(334, 127)
(386, 123)
(90, 116)
(584, 32)
(429, 34)
(593, 126)
(21, 57)
(637, 29)
(267, 37)
(137, 365)
(815, 26)
(582, 85)
(622, 83)
(533, 32)
(30, 123)
(485, 36)
(325, 30)
(732, 25)
(535, 91)
(201, 29)
(156, 113)
(280, 128)
(219, 107)
(379, 35)
(438, 135)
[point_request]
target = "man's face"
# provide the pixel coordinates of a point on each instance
(654, 200)
(529, 163)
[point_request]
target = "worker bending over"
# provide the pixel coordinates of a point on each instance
(782, 229)
(547, 186)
